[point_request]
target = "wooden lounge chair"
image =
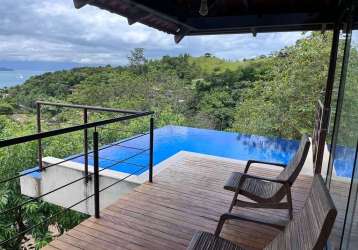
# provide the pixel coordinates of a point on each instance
(268, 192)
(310, 229)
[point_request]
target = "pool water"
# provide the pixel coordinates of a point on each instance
(344, 160)
(169, 140)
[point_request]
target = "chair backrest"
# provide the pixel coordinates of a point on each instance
(295, 165)
(310, 229)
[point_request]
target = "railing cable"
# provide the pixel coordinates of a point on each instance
(66, 209)
(129, 163)
(70, 183)
(43, 195)
(122, 161)
(124, 178)
(69, 159)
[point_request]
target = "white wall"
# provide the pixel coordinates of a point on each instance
(59, 175)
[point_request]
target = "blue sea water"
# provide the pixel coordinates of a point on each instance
(169, 140)
(16, 77)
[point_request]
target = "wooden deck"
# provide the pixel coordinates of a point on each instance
(185, 197)
(339, 191)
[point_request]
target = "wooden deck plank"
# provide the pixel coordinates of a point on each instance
(58, 244)
(185, 197)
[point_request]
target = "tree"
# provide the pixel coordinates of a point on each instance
(137, 60)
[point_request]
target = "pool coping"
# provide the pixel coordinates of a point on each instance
(143, 177)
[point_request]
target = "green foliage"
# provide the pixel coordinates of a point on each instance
(283, 103)
(13, 160)
(183, 66)
(209, 64)
(218, 94)
(53, 86)
(6, 108)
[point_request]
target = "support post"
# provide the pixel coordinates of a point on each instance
(327, 99)
(151, 139)
(39, 142)
(85, 143)
(96, 175)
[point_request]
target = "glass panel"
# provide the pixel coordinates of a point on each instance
(326, 170)
(344, 145)
(350, 237)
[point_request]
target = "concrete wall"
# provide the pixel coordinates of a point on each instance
(62, 174)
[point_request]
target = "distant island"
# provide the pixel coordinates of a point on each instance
(5, 69)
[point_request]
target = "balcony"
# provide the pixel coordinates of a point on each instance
(146, 196)
(185, 197)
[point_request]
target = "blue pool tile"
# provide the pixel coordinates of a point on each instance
(32, 172)
(169, 140)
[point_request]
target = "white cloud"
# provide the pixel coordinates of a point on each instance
(45, 30)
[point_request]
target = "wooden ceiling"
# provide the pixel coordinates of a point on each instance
(182, 17)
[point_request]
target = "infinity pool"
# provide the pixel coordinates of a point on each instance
(169, 140)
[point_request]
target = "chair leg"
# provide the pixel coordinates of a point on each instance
(290, 212)
(290, 208)
(233, 201)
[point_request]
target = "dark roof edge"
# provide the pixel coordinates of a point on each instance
(255, 23)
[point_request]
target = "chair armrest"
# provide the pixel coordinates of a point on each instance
(249, 162)
(230, 216)
(244, 176)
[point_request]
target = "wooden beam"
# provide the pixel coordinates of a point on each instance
(180, 35)
(159, 14)
(254, 32)
(137, 18)
(131, 21)
(324, 27)
(266, 20)
(80, 3)
(246, 4)
(178, 38)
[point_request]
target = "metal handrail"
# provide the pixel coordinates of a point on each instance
(85, 109)
(69, 159)
(95, 108)
(41, 135)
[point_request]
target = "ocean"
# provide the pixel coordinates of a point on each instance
(16, 77)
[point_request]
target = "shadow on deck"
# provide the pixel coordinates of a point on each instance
(185, 197)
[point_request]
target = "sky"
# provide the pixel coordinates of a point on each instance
(53, 31)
